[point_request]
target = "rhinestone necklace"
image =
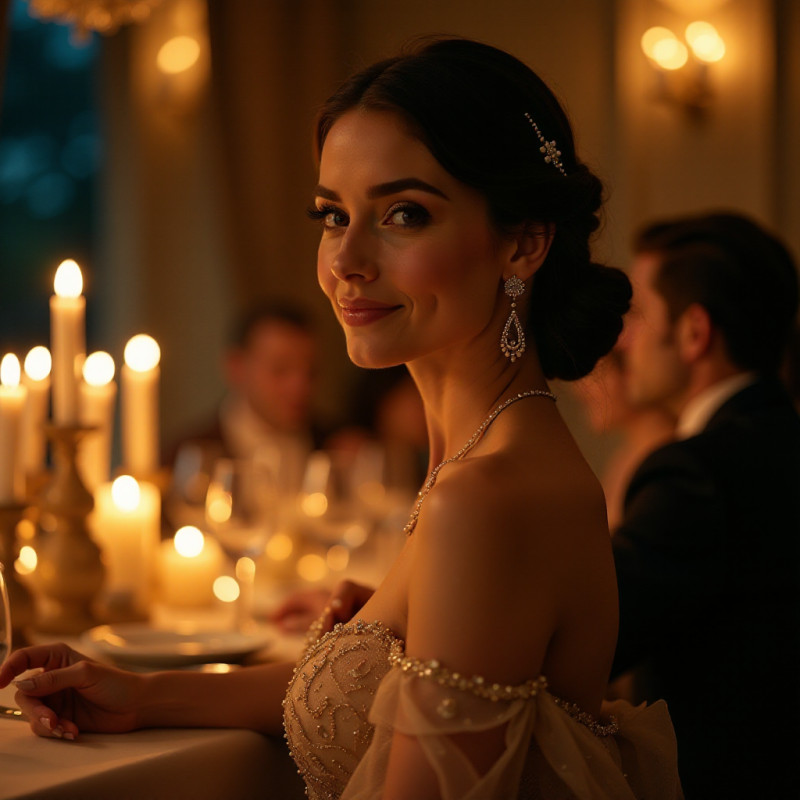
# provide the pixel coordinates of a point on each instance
(471, 442)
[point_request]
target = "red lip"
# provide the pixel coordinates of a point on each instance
(359, 311)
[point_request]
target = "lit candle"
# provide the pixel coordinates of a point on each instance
(12, 401)
(126, 524)
(98, 393)
(188, 567)
(36, 379)
(140, 430)
(68, 341)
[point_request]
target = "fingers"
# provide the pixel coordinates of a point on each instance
(346, 600)
(77, 676)
(43, 720)
(37, 657)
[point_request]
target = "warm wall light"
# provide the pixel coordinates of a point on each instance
(178, 54)
(706, 43)
(689, 86)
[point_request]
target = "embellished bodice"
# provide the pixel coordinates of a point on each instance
(328, 701)
(331, 694)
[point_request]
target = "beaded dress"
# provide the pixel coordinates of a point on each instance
(354, 687)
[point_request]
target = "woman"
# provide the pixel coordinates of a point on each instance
(454, 212)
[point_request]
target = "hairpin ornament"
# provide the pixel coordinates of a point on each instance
(552, 155)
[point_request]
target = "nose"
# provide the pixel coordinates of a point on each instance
(355, 259)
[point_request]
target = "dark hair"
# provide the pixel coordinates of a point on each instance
(467, 102)
(263, 313)
(741, 274)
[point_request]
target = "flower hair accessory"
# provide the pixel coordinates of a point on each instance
(552, 155)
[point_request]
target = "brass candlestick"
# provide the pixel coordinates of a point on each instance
(20, 600)
(70, 572)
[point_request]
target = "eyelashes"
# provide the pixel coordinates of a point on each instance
(322, 214)
(400, 215)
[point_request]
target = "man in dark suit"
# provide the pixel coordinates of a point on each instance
(708, 553)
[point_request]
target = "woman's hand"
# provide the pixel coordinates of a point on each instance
(302, 608)
(72, 693)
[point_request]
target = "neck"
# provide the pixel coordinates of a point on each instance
(457, 401)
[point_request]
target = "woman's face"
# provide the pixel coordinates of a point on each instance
(408, 257)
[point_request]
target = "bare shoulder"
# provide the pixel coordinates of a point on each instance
(498, 543)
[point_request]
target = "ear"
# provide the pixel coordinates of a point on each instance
(532, 246)
(694, 333)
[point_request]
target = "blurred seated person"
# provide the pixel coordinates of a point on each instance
(270, 369)
(639, 429)
(386, 409)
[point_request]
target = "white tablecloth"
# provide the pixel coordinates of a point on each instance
(152, 764)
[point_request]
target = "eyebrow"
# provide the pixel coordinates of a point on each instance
(384, 189)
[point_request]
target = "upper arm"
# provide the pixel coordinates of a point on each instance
(477, 604)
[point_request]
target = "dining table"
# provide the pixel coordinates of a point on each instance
(212, 764)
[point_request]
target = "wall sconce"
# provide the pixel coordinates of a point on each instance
(683, 68)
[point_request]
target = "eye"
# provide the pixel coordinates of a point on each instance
(330, 216)
(407, 215)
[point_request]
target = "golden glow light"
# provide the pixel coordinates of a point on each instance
(125, 493)
(68, 281)
(279, 547)
(315, 504)
(706, 43)
(670, 54)
(245, 569)
(219, 507)
(178, 54)
(312, 568)
(337, 557)
(189, 541)
(27, 561)
(226, 589)
(652, 36)
(9, 370)
(98, 369)
(38, 363)
(142, 353)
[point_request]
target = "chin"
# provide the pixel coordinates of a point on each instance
(370, 358)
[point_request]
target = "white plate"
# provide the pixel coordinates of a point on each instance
(140, 643)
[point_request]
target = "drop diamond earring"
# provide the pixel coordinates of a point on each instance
(512, 341)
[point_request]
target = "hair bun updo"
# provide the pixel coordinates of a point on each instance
(472, 106)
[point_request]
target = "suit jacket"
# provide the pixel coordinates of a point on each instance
(708, 565)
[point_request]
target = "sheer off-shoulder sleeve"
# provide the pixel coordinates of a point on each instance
(552, 749)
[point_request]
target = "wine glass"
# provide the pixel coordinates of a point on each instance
(241, 511)
(5, 618)
(184, 503)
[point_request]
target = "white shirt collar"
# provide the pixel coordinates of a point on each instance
(700, 409)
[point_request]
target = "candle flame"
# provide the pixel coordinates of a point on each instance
(125, 493)
(38, 363)
(98, 369)
(68, 281)
(189, 541)
(142, 353)
(9, 370)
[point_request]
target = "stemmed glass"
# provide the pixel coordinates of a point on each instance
(241, 511)
(5, 619)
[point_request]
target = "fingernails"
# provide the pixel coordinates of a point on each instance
(69, 736)
(26, 685)
(46, 722)
(58, 732)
